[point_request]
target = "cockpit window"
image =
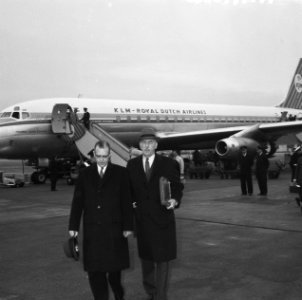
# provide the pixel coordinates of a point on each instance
(25, 115)
(5, 114)
(16, 115)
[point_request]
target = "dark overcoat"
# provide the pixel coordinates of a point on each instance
(298, 173)
(156, 232)
(107, 211)
(245, 164)
(262, 164)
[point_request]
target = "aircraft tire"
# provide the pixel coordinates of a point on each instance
(41, 177)
(38, 177)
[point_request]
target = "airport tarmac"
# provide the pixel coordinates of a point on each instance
(230, 247)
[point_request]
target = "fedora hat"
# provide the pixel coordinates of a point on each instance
(148, 133)
(71, 248)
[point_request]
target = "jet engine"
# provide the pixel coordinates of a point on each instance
(229, 148)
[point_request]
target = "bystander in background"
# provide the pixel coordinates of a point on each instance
(262, 165)
(86, 118)
(293, 161)
(176, 155)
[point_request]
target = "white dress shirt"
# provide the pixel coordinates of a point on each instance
(151, 160)
(99, 169)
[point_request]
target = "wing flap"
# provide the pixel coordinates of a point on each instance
(196, 139)
(208, 138)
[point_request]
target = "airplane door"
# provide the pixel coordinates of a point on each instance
(60, 120)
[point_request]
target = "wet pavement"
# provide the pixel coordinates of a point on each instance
(229, 246)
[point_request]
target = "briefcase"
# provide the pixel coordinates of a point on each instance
(164, 190)
(71, 248)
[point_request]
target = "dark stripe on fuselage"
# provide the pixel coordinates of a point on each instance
(25, 122)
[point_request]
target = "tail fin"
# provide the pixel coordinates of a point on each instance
(294, 96)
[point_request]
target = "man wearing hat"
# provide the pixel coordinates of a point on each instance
(155, 222)
(86, 118)
(245, 162)
(293, 161)
(102, 195)
(262, 164)
(298, 177)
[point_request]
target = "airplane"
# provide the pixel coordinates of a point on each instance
(26, 130)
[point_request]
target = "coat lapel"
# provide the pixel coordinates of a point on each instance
(141, 172)
(97, 180)
(106, 175)
(96, 176)
(155, 167)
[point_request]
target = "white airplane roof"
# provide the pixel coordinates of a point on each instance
(149, 107)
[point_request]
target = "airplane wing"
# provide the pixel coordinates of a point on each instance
(281, 128)
(203, 137)
(237, 136)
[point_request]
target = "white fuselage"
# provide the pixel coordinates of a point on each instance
(25, 128)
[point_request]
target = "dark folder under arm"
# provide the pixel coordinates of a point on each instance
(164, 190)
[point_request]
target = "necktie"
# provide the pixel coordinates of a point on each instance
(102, 172)
(147, 168)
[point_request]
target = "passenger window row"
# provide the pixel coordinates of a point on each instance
(222, 119)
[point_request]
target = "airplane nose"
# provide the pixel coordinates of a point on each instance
(5, 148)
(6, 143)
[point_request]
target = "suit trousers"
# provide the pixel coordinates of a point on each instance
(293, 174)
(246, 182)
(99, 285)
(53, 182)
(155, 278)
(262, 182)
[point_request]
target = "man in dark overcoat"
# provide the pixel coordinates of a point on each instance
(245, 162)
(86, 118)
(53, 173)
(293, 162)
(262, 164)
(298, 177)
(102, 196)
(155, 223)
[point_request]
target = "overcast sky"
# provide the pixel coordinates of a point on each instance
(220, 51)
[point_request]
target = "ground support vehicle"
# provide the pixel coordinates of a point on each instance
(14, 179)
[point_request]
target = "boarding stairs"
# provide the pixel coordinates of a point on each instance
(66, 123)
